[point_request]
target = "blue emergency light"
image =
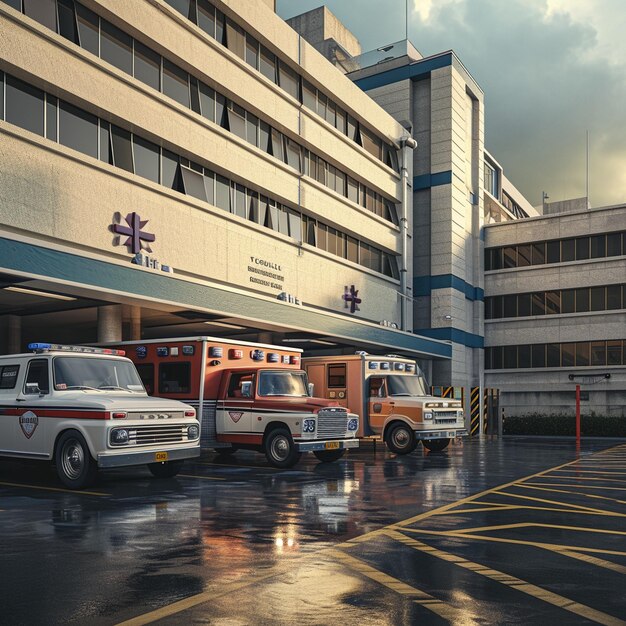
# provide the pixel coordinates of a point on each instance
(57, 347)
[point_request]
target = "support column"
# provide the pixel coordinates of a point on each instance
(110, 323)
(13, 334)
(132, 323)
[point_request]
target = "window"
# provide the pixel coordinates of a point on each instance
(235, 385)
(568, 250)
(538, 355)
(568, 354)
(106, 154)
(509, 256)
(252, 129)
(352, 249)
(598, 299)
(510, 356)
(209, 186)
(146, 373)
(175, 83)
(43, 11)
(582, 248)
(568, 301)
(193, 183)
(598, 246)
(51, 118)
(292, 151)
(268, 64)
(207, 102)
(510, 305)
(206, 17)
(24, 105)
(67, 21)
(8, 376)
(170, 174)
(116, 47)
(146, 159)
(38, 375)
(523, 255)
(235, 39)
(553, 355)
(538, 303)
(236, 120)
(582, 300)
(309, 95)
(353, 190)
(582, 354)
(538, 253)
(613, 244)
(497, 307)
(337, 375)
(122, 150)
(613, 297)
(553, 254)
(175, 377)
(614, 352)
(88, 29)
(241, 205)
(496, 358)
(222, 193)
(553, 302)
(147, 66)
(371, 143)
(598, 353)
(78, 129)
(523, 356)
(252, 52)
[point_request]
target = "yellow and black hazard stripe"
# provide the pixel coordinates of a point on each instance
(486, 410)
(447, 392)
(474, 411)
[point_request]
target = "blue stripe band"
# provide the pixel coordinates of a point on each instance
(455, 335)
(423, 285)
(425, 181)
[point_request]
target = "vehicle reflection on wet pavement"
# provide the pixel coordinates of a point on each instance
(488, 532)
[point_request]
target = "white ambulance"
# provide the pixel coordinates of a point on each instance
(86, 408)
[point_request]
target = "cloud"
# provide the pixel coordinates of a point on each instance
(550, 70)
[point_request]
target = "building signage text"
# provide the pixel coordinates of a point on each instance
(266, 273)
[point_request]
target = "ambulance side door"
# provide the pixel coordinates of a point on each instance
(30, 427)
(234, 414)
(9, 379)
(380, 406)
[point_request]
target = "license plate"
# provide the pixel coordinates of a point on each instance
(160, 456)
(331, 445)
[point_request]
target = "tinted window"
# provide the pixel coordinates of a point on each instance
(582, 248)
(206, 17)
(510, 356)
(568, 301)
(538, 303)
(175, 83)
(146, 373)
(510, 306)
(24, 105)
(523, 255)
(538, 355)
(44, 11)
(598, 353)
(553, 253)
(582, 354)
(553, 354)
(598, 246)
(146, 159)
(337, 375)
(523, 356)
(8, 376)
(597, 299)
(538, 254)
(235, 39)
(175, 377)
(116, 47)
(51, 118)
(613, 244)
(147, 66)
(553, 302)
(78, 129)
(67, 20)
(582, 300)
(613, 297)
(235, 385)
(568, 250)
(614, 352)
(568, 354)
(510, 256)
(523, 304)
(38, 374)
(88, 29)
(122, 150)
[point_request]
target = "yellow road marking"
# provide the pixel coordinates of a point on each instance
(481, 529)
(577, 471)
(603, 480)
(512, 581)
(576, 486)
(574, 493)
(450, 613)
(557, 510)
(42, 488)
(201, 477)
(593, 560)
(488, 509)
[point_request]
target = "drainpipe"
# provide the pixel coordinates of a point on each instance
(407, 145)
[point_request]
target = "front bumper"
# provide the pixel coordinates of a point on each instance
(142, 457)
(315, 445)
(451, 433)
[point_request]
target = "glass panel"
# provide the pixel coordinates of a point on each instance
(309, 95)
(510, 357)
(88, 29)
(582, 354)
(193, 183)
(497, 307)
(523, 305)
(175, 377)
(568, 250)
(206, 17)
(352, 128)
(236, 120)
(221, 117)
(598, 246)
(235, 39)
(67, 20)
(276, 144)
(122, 150)
(105, 143)
(340, 183)
(598, 353)
(538, 303)
(568, 352)
(252, 129)
(295, 225)
(322, 167)
(253, 206)
(44, 11)
(293, 154)
(146, 159)
(371, 143)
(553, 251)
(538, 254)
(209, 186)
(582, 300)
(352, 249)
(195, 94)
(288, 80)
(340, 124)
(613, 297)
(582, 248)
(553, 351)
(614, 352)
(268, 64)
(147, 66)
(78, 129)
(175, 83)
(264, 137)
(597, 299)
(169, 170)
(523, 356)
(553, 302)
(222, 192)
(322, 104)
(538, 355)
(353, 190)
(568, 301)
(311, 232)
(219, 26)
(523, 255)
(252, 52)
(241, 204)
(116, 47)
(322, 237)
(207, 102)
(496, 357)
(510, 306)
(330, 112)
(510, 256)
(16, 4)
(182, 6)
(51, 117)
(613, 244)
(24, 105)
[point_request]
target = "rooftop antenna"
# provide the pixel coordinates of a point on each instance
(587, 173)
(406, 22)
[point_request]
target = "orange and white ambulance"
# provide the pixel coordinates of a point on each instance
(86, 408)
(391, 396)
(248, 395)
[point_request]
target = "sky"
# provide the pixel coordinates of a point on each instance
(551, 70)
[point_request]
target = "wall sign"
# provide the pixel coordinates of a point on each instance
(351, 298)
(266, 273)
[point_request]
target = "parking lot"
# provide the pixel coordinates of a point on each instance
(486, 532)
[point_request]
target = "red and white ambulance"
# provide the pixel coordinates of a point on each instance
(86, 408)
(248, 395)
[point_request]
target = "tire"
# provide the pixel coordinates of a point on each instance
(280, 450)
(400, 439)
(165, 469)
(329, 456)
(227, 451)
(74, 464)
(436, 445)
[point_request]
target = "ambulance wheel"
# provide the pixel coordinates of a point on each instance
(165, 469)
(74, 463)
(280, 450)
(328, 456)
(400, 439)
(436, 445)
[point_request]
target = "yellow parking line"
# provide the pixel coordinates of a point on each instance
(577, 471)
(488, 509)
(42, 488)
(512, 581)
(481, 529)
(576, 486)
(567, 505)
(450, 613)
(201, 477)
(574, 493)
(593, 560)
(563, 510)
(603, 479)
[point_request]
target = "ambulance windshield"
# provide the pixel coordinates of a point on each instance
(282, 383)
(406, 385)
(72, 373)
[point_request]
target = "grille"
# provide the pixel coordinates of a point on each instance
(439, 414)
(151, 435)
(208, 433)
(449, 420)
(332, 423)
(155, 415)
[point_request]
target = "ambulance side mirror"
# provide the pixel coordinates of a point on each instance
(246, 389)
(311, 388)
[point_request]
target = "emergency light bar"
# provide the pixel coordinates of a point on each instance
(57, 347)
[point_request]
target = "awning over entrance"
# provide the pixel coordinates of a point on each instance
(99, 279)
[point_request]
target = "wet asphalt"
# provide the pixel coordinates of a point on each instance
(510, 531)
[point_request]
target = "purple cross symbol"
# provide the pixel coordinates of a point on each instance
(138, 240)
(351, 296)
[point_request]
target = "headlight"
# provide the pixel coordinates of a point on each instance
(430, 405)
(459, 414)
(193, 432)
(119, 436)
(428, 416)
(308, 426)
(353, 424)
